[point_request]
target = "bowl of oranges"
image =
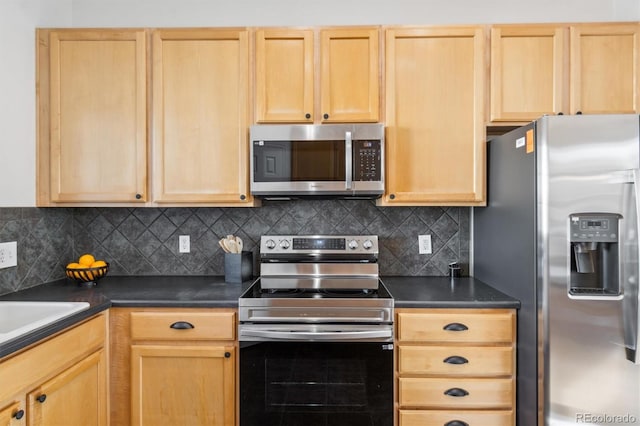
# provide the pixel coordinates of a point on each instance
(87, 270)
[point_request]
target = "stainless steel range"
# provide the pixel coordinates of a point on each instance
(316, 334)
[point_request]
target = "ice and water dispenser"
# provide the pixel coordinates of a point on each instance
(595, 254)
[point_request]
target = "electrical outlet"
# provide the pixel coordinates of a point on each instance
(184, 244)
(424, 244)
(8, 254)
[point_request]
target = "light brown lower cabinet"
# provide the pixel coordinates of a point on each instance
(59, 382)
(173, 366)
(455, 367)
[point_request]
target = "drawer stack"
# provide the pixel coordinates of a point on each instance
(456, 367)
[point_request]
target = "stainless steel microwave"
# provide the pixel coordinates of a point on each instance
(328, 160)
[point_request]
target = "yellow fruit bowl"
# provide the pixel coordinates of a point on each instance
(89, 276)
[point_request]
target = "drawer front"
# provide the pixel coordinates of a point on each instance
(456, 360)
(465, 327)
(445, 418)
(176, 325)
(477, 393)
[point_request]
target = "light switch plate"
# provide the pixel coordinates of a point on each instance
(8, 254)
(424, 244)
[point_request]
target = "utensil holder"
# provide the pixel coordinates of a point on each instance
(238, 267)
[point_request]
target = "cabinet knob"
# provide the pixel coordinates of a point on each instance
(138, 196)
(392, 196)
(18, 414)
(41, 398)
(181, 325)
(456, 423)
(243, 197)
(578, 112)
(455, 326)
(325, 116)
(456, 392)
(457, 360)
(307, 116)
(561, 113)
(227, 354)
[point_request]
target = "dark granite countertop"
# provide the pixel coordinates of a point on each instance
(213, 292)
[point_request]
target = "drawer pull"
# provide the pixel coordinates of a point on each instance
(455, 360)
(181, 325)
(42, 398)
(457, 392)
(18, 414)
(456, 423)
(455, 326)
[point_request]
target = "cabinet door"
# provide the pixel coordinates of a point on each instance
(435, 95)
(13, 414)
(182, 385)
(97, 122)
(75, 397)
(284, 76)
(605, 68)
(528, 76)
(350, 74)
(200, 110)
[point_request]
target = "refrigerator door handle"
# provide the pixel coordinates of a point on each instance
(630, 266)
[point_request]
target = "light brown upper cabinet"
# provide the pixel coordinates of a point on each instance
(570, 69)
(299, 80)
(200, 116)
(528, 72)
(92, 116)
(605, 68)
(435, 97)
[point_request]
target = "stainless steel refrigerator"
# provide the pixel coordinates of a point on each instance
(560, 233)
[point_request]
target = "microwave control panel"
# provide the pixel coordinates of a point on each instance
(367, 160)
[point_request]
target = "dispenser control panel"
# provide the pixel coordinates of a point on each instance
(594, 227)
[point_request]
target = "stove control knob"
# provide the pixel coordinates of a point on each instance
(367, 244)
(353, 244)
(284, 244)
(270, 244)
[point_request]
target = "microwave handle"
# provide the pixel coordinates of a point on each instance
(348, 163)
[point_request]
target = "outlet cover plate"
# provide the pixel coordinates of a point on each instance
(184, 244)
(424, 244)
(8, 254)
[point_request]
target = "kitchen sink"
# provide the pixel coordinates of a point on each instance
(18, 318)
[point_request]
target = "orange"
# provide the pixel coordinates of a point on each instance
(86, 260)
(98, 264)
(74, 265)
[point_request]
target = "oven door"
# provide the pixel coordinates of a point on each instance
(293, 383)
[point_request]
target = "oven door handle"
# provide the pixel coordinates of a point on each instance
(348, 163)
(318, 335)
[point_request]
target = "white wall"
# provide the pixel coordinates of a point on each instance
(19, 18)
(348, 12)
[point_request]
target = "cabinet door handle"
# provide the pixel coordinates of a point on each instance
(455, 326)
(457, 392)
(41, 398)
(455, 360)
(307, 116)
(456, 423)
(227, 354)
(181, 325)
(325, 116)
(18, 414)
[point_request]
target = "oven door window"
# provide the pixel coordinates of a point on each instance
(299, 161)
(293, 384)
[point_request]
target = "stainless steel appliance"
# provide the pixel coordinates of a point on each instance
(329, 160)
(560, 233)
(316, 335)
